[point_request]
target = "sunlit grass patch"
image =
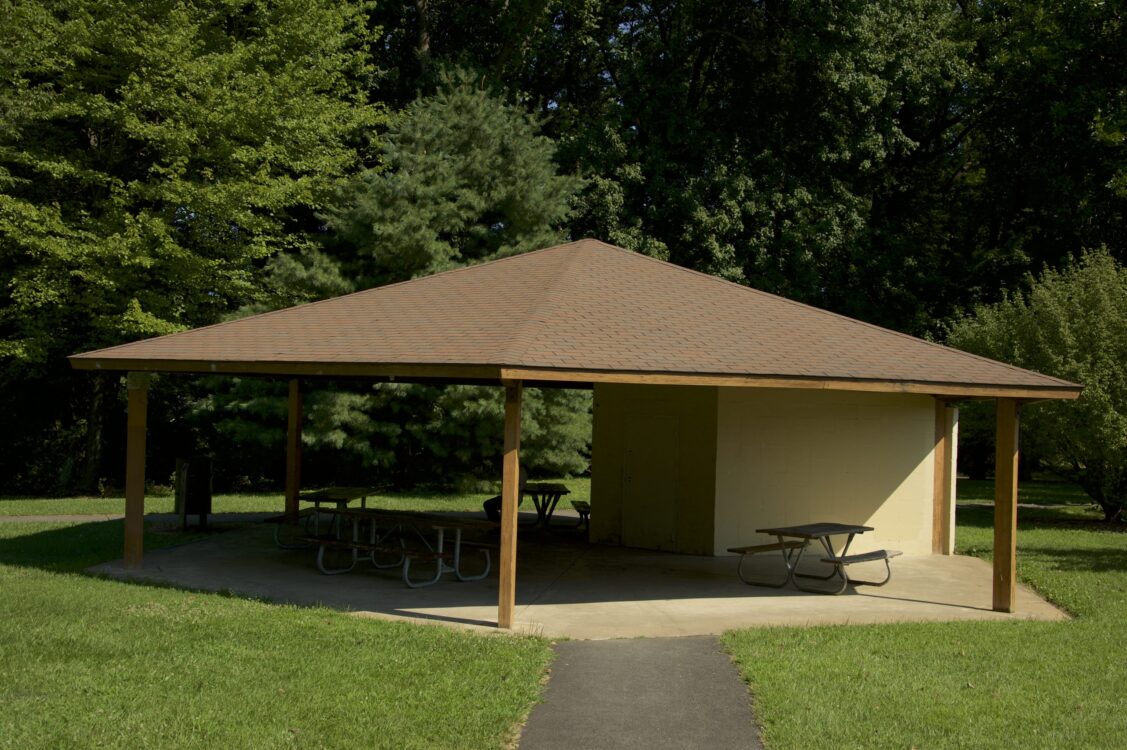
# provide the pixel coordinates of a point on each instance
(88, 662)
(963, 684)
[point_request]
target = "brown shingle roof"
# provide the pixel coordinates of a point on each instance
(580, 311)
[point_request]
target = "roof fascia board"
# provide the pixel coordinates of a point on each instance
(563, 378)
(952, 390)
(310, 369)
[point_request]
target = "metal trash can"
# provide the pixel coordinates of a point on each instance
(193, 489)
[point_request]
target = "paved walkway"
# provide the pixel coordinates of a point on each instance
(642, 693)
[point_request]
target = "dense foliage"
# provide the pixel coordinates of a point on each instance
(465, 178)
(152, 156)
(1071, 324)
(169, 162)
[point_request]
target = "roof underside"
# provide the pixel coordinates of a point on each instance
(577, 313)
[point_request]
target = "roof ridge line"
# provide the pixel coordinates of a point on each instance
(521, 330)
(280, 310)
(840, 316)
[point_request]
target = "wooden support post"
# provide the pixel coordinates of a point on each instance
(1005, 505)
(941, 489)
(510, 499)
(137, 384)
(293, 448)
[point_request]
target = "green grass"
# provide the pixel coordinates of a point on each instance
(964, 684)
(88, 662)
(1035, 493)
(269, 502)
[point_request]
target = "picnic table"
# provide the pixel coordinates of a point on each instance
(396, 538)
(336, 496)
(793, 542)
(545, 498)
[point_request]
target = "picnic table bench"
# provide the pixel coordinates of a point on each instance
(583, 508)
(755, 549)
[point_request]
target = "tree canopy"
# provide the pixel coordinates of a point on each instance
(1072, 324)
(168, 163)
(465, 177)
(152, 156)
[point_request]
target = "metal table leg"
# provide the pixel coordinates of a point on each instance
(458, 560)
(837, 570)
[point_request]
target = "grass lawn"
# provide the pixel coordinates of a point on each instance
(269, 502)
(965, 684)
(88, 662)
(1034, 493)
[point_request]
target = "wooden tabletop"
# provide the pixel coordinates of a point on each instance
(541, 488)
(815, 530)
(337, 494)
(415, 516)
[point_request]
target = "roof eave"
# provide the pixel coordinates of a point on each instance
(948, 390)
(442, 371)
(566, 378)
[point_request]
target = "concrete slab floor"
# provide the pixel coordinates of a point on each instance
(566, 588)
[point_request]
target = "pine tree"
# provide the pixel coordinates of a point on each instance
(466, 178)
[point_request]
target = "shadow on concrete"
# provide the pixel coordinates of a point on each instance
(566, 587)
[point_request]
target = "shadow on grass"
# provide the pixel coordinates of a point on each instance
(1038, 492)
(72, 548)
(1082, 560)
(1104, 559)
(1041, 518)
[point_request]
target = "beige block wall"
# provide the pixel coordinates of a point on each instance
(673, 444)
(952, 465)
(787, 457)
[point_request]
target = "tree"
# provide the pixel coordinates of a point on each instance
(465, 178)
(1046, 147)
(153, 156)
(897, 162)
(1072, 324)
(762, 142)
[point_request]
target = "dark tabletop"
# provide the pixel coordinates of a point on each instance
(540, 488)
(816, 530)
(336, 494)
(430, 518)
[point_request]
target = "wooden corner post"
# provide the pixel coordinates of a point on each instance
(941, 480)
(1005, 504)
(137, 386)
(293, 448)
(510, 499)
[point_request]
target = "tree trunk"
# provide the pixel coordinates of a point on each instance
(90, 454)
(422, 45)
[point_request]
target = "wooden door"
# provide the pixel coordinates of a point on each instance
(649, 491)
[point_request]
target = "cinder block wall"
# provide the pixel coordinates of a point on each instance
(789, 456)
(698, 469)
(653, 467)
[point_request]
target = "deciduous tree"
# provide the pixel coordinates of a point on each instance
(1072, 324)
(153, 155)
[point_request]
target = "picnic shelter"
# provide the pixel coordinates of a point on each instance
(718, 409)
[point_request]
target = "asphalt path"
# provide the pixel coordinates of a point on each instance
(642, 693)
